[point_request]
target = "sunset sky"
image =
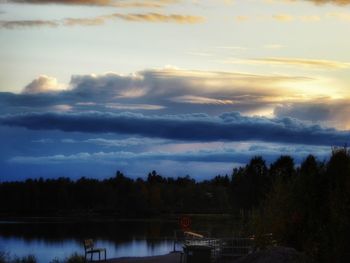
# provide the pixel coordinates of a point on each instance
(88, 87)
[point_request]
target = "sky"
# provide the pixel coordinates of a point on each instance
(184, 87)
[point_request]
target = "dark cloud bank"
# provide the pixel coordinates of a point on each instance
(190, 127)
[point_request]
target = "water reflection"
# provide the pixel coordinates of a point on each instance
(58, 239)
(47, 240)
(45, 250)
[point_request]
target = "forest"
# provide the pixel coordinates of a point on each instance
(304, 206)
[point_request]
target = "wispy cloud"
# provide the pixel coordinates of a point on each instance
(133, 141)
(84, 21)
(309, 63)
(157, 17)
(200, 100)
(128, 106)
(317, 2)
(65, 2)
(44, 141)
(28, 23)
(310, 18)
(342, 16)
(283, 17)
(222, 155)
(337, 2)
(115, 3)
(280, 18)
(100, 20)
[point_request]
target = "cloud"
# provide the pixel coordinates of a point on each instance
(342, 16)
(223, 155)
(84, 21)
(310, 18)
(123, 106)
(136, 17)
(157, 17)
(335, 112)
(100, 20)
(115, 3)
(337, 2)
(162, 90)
(280, 18)
(283, 17)
(44, 141)
(28, 23)
(190, 127)
(317, 2)
(42, 84)
(308, 63)
(133, 141)
(200, 100)
(65, 2)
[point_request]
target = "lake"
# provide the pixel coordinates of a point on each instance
(49, 239)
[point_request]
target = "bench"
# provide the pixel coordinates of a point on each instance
(90, 249)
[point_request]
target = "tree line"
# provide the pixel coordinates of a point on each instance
(118, 195)
(306, 206)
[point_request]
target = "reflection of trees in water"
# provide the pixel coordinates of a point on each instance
(111, 231)
(153, 232)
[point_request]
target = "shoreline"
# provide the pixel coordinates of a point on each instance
(168, 258)
(110, 218)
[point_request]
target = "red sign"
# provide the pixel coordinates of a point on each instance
(185, 222)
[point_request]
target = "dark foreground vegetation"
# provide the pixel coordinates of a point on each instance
(7, 258)
(307, 208)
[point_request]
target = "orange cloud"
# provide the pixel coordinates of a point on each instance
(117, 3)
(66, 2)
(156, 17)
(283, 17)
(27, 23)
(100, 20)
(337, 2)
(309, 63)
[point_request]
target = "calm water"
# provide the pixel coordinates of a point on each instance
(49, 240)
